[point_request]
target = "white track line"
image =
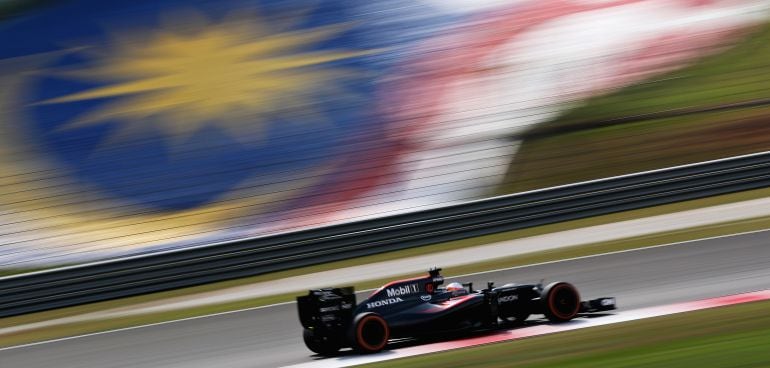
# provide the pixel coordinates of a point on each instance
(142, 326)
(611, 253)
(368, 290)
(519, 333)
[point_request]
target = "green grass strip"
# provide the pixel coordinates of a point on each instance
(737, 74)
(735, 336)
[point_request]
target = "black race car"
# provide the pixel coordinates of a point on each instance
(419, 308)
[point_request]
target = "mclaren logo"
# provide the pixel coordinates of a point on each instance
(508, 298)
(380, 303)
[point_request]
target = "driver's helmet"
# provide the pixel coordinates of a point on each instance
(456, 288)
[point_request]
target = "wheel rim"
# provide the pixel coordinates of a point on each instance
(564, 302)
(372, 333)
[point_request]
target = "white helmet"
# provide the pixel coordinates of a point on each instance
(456, 288)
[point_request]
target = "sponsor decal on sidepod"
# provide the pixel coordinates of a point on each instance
(402, 290)
(380, 303)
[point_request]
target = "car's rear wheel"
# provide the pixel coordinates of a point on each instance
(561, 301)
(320, 343)
(369, 333)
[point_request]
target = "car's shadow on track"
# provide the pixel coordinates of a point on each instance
(397, 344)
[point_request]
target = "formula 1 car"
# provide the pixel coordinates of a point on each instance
(419, 308)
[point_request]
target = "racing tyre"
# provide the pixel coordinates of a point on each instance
(369, 333)
(561, 301)
(319, 343)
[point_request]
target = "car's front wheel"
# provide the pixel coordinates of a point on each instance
(561, 301)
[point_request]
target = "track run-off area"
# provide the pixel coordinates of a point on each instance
(647, 282)
(540, 329)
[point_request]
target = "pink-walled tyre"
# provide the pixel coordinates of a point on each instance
(561, 301)
(369, 333)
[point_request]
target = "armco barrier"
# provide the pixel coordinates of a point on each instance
(143, 274)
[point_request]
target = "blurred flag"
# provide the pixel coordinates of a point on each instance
(135, 126)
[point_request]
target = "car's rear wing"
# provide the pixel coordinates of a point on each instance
(329, 308)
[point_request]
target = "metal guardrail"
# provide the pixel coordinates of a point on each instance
(143, 274)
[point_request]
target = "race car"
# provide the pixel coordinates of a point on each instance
(420, 308)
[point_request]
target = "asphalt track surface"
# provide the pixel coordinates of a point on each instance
(270, 337)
